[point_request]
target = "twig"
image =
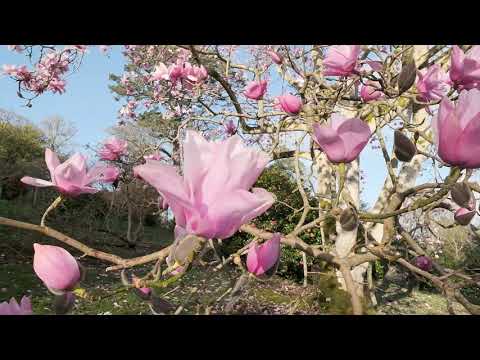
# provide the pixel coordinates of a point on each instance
(52, 206)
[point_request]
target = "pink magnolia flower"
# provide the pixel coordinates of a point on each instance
(465, 68)
(20, 72)
(276, 57)
(70, 178)
(57, 85)
(80, 48)
(56, 267)
(9, 69)
(17, 48)
(108, 174)
(341, 60)
(342, 139)
(160, 73)
(230, 128)
(370, 92)
(13, 308)
(263, 257)
(194, 74)
(155, 156)
(424, 263)
(256, 89)
(432, 83)
(290, 104)
(145, 290)
(463, 216)
(212, 171)
(113, 148)
(456, 130)
(176, 71)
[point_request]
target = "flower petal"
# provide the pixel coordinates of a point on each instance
(52, 162)
(169, 184)
(36, 182)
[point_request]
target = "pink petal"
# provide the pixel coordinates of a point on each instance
(169, 184)
(329, 141)
(52, 161)
(468, 106)
(233, 166)
(223, 218)
(468, 145)
(262, 257)
(71, 172)
(355, 134)
(36, 182)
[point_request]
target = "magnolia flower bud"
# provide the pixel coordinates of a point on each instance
(424, 263)
(462, 195)
(264, 259)
(56, 267)
(143, 293)
(463, 216)
(348, 219)
(407, 76)
(404, 148)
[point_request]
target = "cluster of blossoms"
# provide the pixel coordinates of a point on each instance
(48, 74)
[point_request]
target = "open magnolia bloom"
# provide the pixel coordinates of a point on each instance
(212, 199)
(370, 91)
(341, 60)
(256, 89)
(113, 148)
(342, 139)
(456, 130)
(432, 83)
(465, 68)
(13, 308)
(72, 178)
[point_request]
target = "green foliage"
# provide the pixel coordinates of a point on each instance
(19, 143)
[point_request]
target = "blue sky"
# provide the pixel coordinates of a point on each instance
(89, 104)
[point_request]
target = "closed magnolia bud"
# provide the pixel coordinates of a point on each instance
(56, 267)
(394, 163)
(462, 195)
(407, 76)
(424, 263)
(264, 259)
(404, 148)
(348, 219)
(463, 216)
(143, 293)
(64, 303)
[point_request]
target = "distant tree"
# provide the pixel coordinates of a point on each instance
(58, 133)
